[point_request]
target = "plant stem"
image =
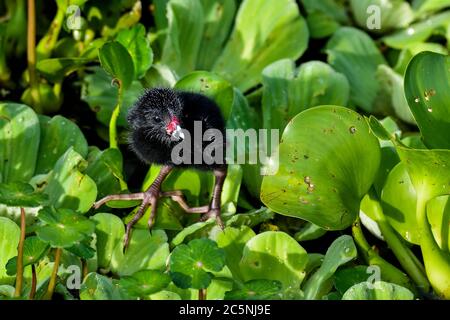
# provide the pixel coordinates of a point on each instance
(388, 271)
(52, 283)
(19, 278)
(31, 55)
(33, 282)
(84, 267)
(202, 294)
(113, 122)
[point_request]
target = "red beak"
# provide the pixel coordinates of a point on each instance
(174, 122)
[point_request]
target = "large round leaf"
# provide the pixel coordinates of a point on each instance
(276, 256)
(328, 159)
(19, 194)
(33, 250)
(19, 136)
(427, 83)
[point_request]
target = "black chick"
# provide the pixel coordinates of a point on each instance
(161, 119)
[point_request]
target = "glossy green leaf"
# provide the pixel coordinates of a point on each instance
(412, 50)
(83, 249)
(116, 60)
(20, 134)
(191, 265)
(279, 32)
(9, 239)
(309, 186)
(308, 232)
(353, 53)
(378, 291)
(427, 80)
(98, 287)
(19, 194)
(135, 41)
(63, 227)
(324, 17)
(344, 279)
(392, 14)
(256, 290)
(144, 283)
(56, 69)
(57, 135)
(341, 251)
(68, 185)
(276, 256)
(288, 91)
(33, 250)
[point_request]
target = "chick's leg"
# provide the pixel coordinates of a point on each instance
(214, 208)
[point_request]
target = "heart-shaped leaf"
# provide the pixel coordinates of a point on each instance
(310, 186)
(63, 227)
(116, 60)
(191, 265)
(427, 80)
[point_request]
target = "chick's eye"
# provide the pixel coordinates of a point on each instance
(156, 119)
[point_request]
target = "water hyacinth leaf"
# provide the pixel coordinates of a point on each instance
(392, 14)
(57, 135)
(101, 96)
(190, 230)
(353, 53)
(116, 60)
(379, 290)
(308, 232)
(280, 30)
(105, 168)
(344, 279)
(233, 240)
(191, 265)
(218, 19)
(341, 251)
(135, 41)
(411, 51)
(211, 85)
(324, 17)
(154, 245)
(427, 80)
(9, 239)
(19, 194)
(419, 31)
(109, 230)
(56, 69)
(98, 287)
(287, 91)
(257, 290)
(310, 187)
(63, 227)
(398, 199)
(185, 29)
(33, 250)
(83, 249)
(143, 283)
(276, 256)
(427, 6)
(438, 211)
(20, 134)
(68, 185)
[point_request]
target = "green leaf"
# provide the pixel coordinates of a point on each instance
(56, 69)
(353, 53)
(83, 249)
(279, 32)
(105, 168)
(324, 17)
(344, 279)
(393, 14)
(288, 91)
(19, 194)
(63, 228)
(191, 265)
(9, 239)
(57, 135)
(411, 51)
(116, 60)
(419, 32)
(307, 185)
(101, 96)
(98, 287)
(428, 6)
(19, 133)
(211, 85)
(68, 185)
(33, 250)
(257, 290)
(136, 42)
(427, 80)
(308, 232)
(341, 251)
(144, 283)
(378, 291)
(276, 256)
